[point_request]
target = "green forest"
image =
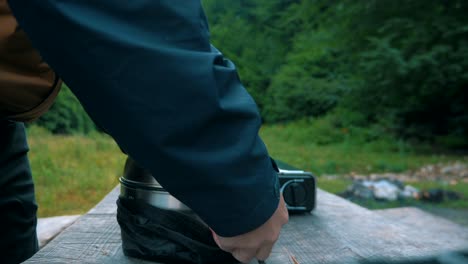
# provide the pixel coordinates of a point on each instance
(376, 67)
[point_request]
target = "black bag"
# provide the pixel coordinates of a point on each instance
(166, 236)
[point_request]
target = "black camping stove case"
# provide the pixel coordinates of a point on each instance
(298, 188)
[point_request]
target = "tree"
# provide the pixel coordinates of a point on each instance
(66, 116)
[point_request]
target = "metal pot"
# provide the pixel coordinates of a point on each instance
(139, 184)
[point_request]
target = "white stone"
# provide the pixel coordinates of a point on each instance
(385, 190)
(409, 192)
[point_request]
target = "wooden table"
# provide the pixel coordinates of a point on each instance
(338, 231)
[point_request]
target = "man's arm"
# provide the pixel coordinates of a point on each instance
(145, 71)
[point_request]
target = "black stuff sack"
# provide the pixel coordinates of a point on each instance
(166, 236)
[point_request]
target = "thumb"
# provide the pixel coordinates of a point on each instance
(215, 237)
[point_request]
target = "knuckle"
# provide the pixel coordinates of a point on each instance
(272, 237)
(252, 246)
(242, 255)
(225, 246)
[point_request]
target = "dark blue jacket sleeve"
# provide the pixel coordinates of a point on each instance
(145, 71)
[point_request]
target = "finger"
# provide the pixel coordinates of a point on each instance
(264, 252)
(215, 237)
(222, 246)
(244, 255)
(284, 210)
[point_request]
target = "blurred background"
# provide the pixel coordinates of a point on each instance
(360, 93)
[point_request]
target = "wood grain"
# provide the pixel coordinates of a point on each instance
(336, 232)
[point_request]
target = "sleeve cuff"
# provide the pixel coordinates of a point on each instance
(259, 215)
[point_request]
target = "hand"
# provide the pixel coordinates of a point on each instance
(256, 243)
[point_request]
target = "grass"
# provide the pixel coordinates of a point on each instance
(309, 146)
(317, 147)
(73, 173)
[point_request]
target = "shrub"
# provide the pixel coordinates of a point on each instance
(66, 116)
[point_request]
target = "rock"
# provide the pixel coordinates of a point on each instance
(433, 195)
(454, 169)
(389, 186)
(362, 191)
(457, 170)
(358, 190)
(409, 192)
(451, 195)
(385, 190)
(381, 189)
(439, 195)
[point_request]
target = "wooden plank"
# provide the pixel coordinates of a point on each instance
(107, 205)
(424, 222)
(336, 232)
(340, 231)
(48, 228)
